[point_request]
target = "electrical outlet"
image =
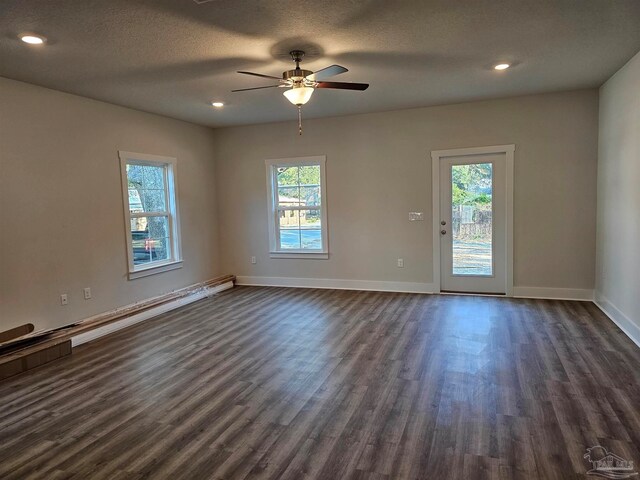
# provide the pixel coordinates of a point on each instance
(400, 263)
(253, 260)
(64, 299)
(87, 293)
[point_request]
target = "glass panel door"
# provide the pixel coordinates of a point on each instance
(472, 223)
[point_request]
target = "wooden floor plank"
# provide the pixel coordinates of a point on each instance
(269, 383)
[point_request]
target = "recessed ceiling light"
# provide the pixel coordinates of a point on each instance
(217, 104)
(33, 39)
(502, 66)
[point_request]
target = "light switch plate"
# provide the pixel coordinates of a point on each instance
(416, 216)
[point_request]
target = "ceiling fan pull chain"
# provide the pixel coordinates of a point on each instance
(299, 120)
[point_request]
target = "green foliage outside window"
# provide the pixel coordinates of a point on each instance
(467, 183)
(293, 176)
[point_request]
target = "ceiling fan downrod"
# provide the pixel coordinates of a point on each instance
(296, 56)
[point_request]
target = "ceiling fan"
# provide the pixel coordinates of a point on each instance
(302, 83)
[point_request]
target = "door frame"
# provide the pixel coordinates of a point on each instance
(436, 157)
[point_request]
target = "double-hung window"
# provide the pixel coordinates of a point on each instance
(151, 213)
(297, 207)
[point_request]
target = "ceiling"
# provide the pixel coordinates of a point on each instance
(173, 57)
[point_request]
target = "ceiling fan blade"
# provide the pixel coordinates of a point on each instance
(343, 85)
(254, 88)
(261, 75)
(327, 72)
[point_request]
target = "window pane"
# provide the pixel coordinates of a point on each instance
(310, 175)
(135, 200)
(134, 182)
(289, 229)
(287, 176)
(149, 238)
(134, 175)
(471, 191)
(310, 229)
(300, 229)
(310, 196)
(310, 219)
(154, 201)
(153, 177)
(289, 219)
(289, 239)
(159, 248)
(139, 225)
(289, 196)
(158, 227)
(311, 239)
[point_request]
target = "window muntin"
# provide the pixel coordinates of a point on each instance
(297, 210)
(150, 210)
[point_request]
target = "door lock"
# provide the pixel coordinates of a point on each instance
(443, 222)
(443, 232)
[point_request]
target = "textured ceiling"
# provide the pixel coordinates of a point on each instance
(173, 57)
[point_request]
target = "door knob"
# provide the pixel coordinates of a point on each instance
(443, 232)
(443, 222)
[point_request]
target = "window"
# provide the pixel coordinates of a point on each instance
(297, 207)
(151, 213)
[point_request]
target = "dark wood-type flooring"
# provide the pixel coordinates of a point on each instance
(323, 384)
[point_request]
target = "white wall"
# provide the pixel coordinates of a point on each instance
(61, 220)
(379, 169)
(618, 231)
(61, 213)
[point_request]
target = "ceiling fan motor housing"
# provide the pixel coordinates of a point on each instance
(296, 75)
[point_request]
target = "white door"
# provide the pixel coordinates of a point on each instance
(472, 223)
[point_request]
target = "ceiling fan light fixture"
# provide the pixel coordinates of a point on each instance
(298, 95)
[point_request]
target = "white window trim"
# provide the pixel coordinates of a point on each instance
(272, 191)
(175, 262)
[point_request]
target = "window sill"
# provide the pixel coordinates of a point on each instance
(307, 255)
(152, 270)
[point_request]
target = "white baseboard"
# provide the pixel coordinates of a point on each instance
(147, 314)
(581, 294)
(335, 283)
(631, 329)
(407, 287)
